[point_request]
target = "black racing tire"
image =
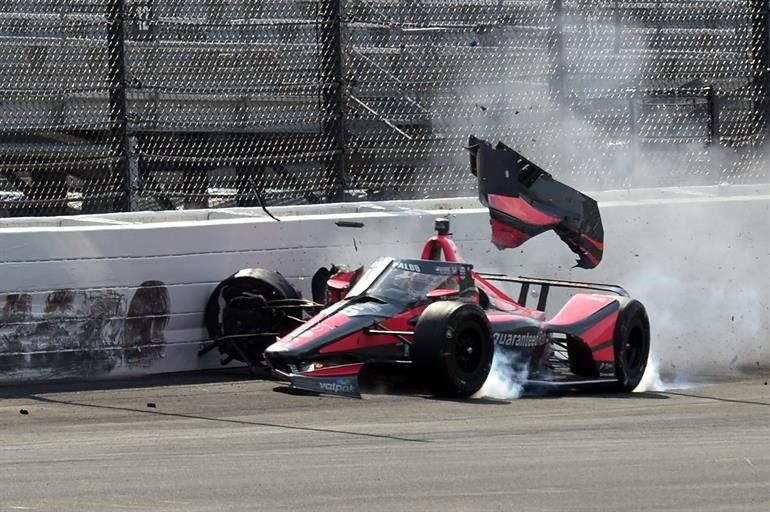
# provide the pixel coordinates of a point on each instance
(631, 341)
(453, 348)
(238, 307)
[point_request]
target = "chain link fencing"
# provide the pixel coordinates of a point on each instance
(117, 105)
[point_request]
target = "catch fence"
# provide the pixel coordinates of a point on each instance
(117, 105)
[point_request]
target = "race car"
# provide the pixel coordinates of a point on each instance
(439, 317)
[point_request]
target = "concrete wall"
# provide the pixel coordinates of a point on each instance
(124, 293)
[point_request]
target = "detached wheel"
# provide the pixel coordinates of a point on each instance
(631, 342)
(238, 307)
(453, 348)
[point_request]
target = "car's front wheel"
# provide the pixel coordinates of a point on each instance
(453, 348)
(239, 315)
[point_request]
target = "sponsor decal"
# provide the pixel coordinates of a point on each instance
(341, 385)
(443, 269)
(411, 267)
(450, 270)
(523, 340)
(345, 386)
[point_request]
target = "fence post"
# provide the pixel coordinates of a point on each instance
(617, 20)
(116, 62)
(557, 81)
(332, 74)
(713, 107)
(760, 59)
(633, 131)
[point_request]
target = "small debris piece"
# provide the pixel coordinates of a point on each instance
(151, 405)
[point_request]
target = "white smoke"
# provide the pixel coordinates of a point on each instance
(506, 378)
(702, 327)
(701, 272)
(653, 381)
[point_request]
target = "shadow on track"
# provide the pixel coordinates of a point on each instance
(557, 394)
(224, 420)
(719, 399)
(32, 391)
(402, 383)
(150, 381)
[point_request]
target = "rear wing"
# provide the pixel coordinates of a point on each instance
(524, 201)
(547, 284)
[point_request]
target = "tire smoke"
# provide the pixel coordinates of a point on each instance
(702, 328)
(506, 378)
(654, 381)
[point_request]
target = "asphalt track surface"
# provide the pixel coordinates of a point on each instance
(220, 442)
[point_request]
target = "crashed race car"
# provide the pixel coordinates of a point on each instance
(439, 317)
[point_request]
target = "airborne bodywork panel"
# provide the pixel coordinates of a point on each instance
(524, 201)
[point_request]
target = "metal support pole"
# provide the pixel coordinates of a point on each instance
(617, 21)
(760, 62)
(116, 62)
(712, 101)
(633, 131)
(332, 74)
(557, 82)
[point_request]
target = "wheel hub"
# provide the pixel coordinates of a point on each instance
(469, 351)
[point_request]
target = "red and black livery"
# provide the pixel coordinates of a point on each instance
(524, 201)
(437, 315)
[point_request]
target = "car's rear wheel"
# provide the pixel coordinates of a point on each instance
(453, 348)
(239, 314)
(631, 342)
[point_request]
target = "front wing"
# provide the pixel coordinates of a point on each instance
(334, 380)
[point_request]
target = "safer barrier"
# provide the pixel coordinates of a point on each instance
(123, 294)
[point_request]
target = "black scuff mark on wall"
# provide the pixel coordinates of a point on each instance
(147, 318)
(82, 333)
(79, 334)
(17, 311)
